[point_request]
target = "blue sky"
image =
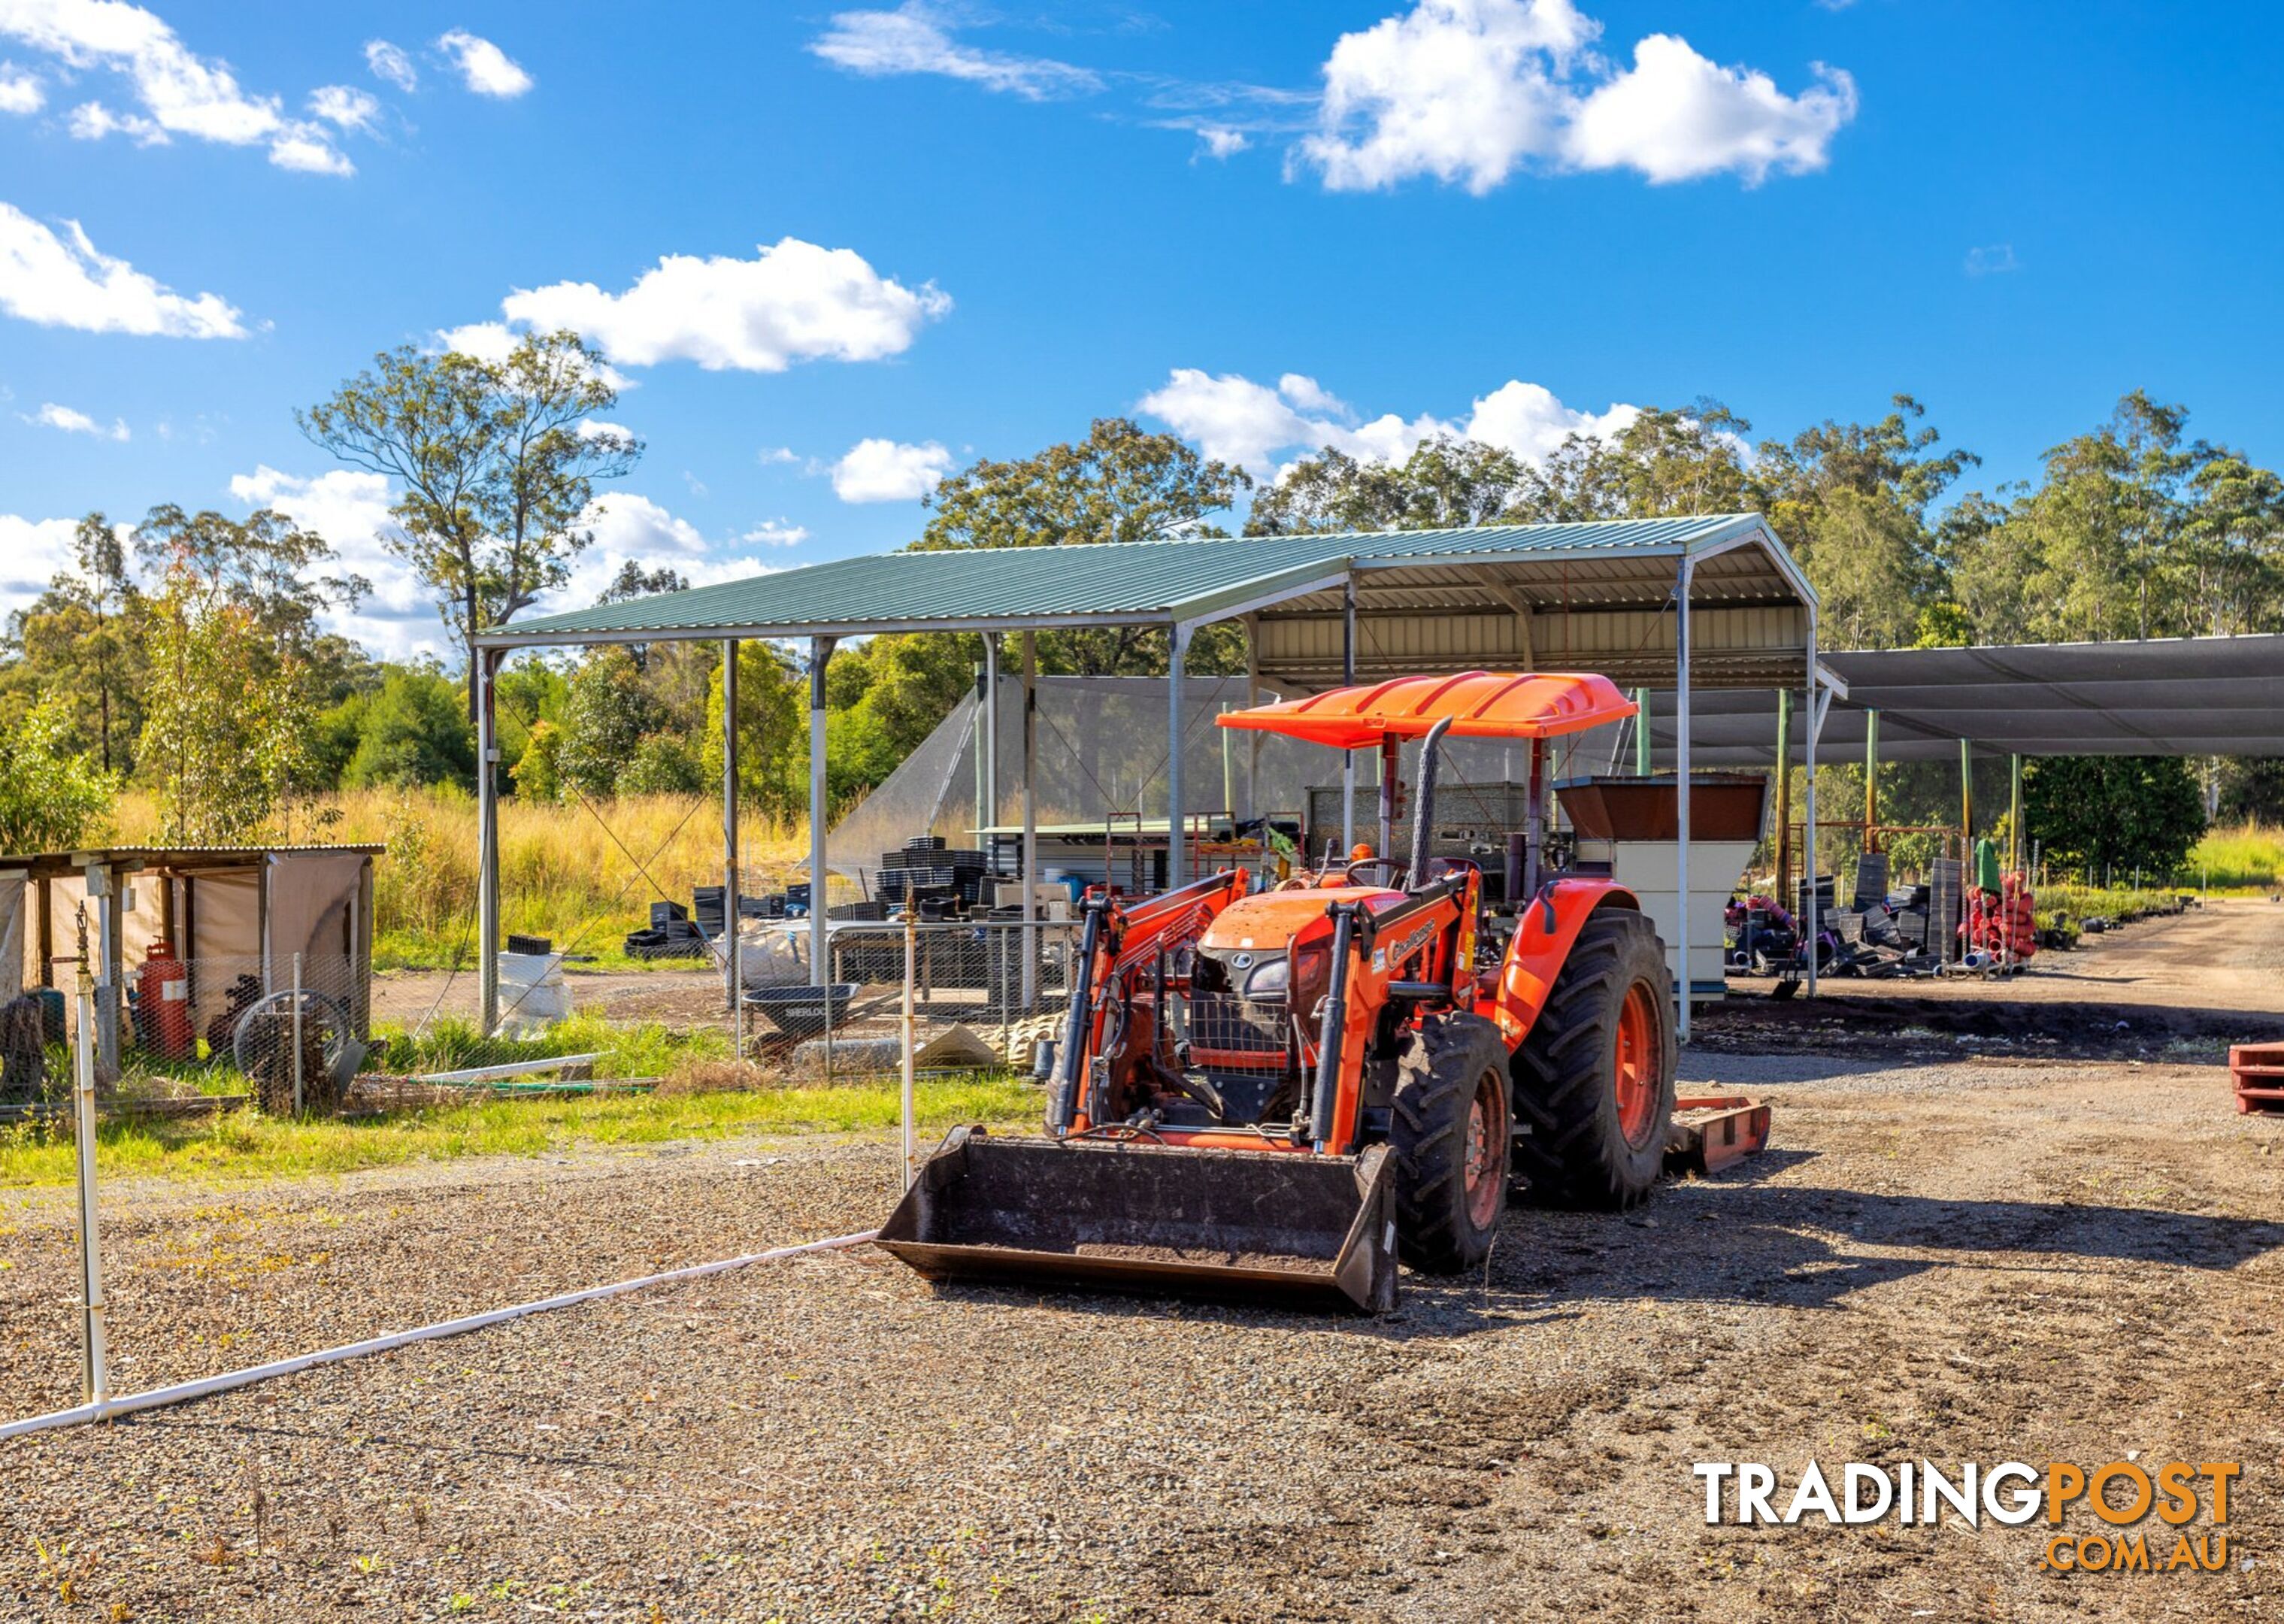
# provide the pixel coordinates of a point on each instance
(837, 251)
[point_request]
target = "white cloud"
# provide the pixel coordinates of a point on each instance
(769, 455)
(1460, 90)
(31, 550)
(310, 154)
(1528, 420)
(65, 282)
(484, 67)
(92, 122)
(916, 38)
(495, 341)
(483, 340)
(1675, 116)
(884, 471)
(20, 92)
(181, 92)
(1467, 92)
(1992, 260)
(389, 64)
(1234, 420)
(1220, 141)
(72, 421)
(795, 301)
(350, 508)
(628, 528)
(775, 533)
(344, 105)
(635, 527)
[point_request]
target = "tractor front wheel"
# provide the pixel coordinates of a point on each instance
(1450, 1138)
(1594, 1078)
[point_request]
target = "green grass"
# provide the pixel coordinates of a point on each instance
(243, 1146)
(2249, 858)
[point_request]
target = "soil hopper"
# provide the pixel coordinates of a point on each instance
(1275, 1094)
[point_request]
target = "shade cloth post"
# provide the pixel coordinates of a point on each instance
(1784, 790)
(1870, 777)
(2014, 813)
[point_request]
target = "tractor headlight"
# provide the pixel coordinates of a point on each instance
(1270, 978)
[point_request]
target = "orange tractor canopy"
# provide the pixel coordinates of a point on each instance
(1275, 1094)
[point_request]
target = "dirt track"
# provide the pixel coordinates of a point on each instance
(1987, 1259)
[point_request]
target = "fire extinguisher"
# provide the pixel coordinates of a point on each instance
(165, 1003)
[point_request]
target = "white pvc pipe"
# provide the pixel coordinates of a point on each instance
(184, 1391)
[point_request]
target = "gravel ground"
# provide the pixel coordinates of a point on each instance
(1982, 1259)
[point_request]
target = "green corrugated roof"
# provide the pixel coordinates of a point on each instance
(1114, 581)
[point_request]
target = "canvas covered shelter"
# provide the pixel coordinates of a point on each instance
(228, 912)
(1684, 604)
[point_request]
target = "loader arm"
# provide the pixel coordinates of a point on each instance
(1118, 942)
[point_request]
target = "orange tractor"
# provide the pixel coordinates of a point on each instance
(1276, 1094)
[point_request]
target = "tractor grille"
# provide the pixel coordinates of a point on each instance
(1229, 1033)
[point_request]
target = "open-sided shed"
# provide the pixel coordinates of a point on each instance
(239, 918)
(1679, 604)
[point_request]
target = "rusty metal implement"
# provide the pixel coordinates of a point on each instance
(1285, 1230)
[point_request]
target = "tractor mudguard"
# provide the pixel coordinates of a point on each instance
(1543, 938)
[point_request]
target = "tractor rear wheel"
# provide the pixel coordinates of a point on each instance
(1594, 1078)
(1452, 1136)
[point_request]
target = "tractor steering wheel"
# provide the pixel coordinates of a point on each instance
(1395, 870)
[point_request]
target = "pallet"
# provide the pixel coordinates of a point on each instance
(1713, 1131)
(2257, 1071)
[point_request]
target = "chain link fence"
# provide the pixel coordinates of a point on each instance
(982, 993)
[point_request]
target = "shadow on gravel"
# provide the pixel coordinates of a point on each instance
(1723, 1242)
(1866, 1027)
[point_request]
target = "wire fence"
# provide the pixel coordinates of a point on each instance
(983, 994)
(287, 1033)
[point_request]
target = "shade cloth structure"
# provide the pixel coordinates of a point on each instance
(2174, 695)
(1477, 704)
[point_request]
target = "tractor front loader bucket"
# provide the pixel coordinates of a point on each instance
(1281, 1228)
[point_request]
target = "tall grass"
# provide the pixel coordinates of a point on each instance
(576, 876)
(2245, 858)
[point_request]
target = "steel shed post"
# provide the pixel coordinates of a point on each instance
(820, 970)
(1681, 780)
(1178, 648)
(487, 865)
(1252, 735)
(1784, 790)
(732, 969)
(1348, 680)
(1807, 900)
(1031, 821)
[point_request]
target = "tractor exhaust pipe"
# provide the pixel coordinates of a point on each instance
(1332, 1026)
(1423, 810)
(1062, 1103)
